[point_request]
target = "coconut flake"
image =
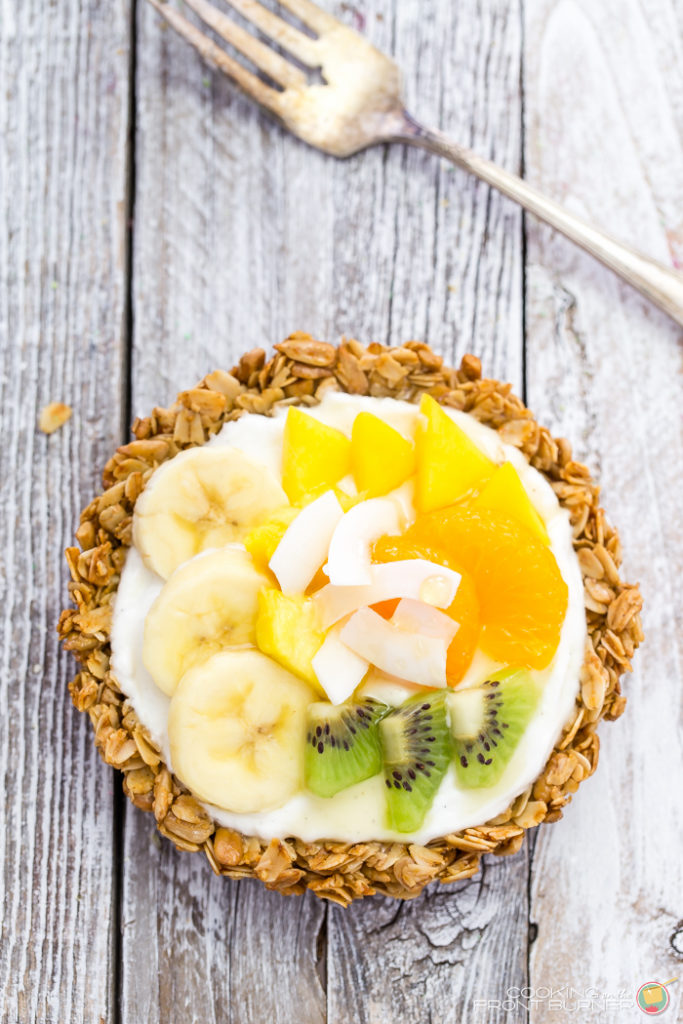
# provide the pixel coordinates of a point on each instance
(418, 617)
(339, 669)
(348, 561)
(304, 544)
(388, 580)
(412, 656)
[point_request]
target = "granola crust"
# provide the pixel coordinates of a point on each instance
(300, 372)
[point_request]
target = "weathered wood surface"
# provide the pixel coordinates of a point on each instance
(63, 123)
(241, 234)
(604, 368)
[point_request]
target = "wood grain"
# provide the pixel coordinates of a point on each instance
(243, 235)
(604, 369)
(438, 959)
(63, 121)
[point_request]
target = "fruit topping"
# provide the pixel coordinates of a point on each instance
(348, 560)
(416, 753)
(504, 494)
(449, 465)
(314, 456)
(305, 543)
(203, 498)
(381, 458)
(463, 608)
(487, 723)
(522, 596)
(288, 629)
(342, 745)
(262, 541)
(207, 604)
(237, 731)
(420, 617)
(414, 578)
(339, 670)
(413, 656)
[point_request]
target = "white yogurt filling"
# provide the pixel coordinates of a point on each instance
(358, 813)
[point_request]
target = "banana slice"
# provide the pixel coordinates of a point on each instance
(208, 604)
(203, 498)
(237, 731)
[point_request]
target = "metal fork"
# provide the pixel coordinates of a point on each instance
(359, 105)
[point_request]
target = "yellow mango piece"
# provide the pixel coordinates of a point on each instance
(505, 493)
(347, 501)
(314, 456)
(262, 540)
(449, 465)
(381, 458)
(288, 630)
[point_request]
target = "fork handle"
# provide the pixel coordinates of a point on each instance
(656, 281)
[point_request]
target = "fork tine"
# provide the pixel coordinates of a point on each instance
(265, 58)
(310, 14)
(299, 45)
(206, 47)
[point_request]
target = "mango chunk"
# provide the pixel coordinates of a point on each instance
(504, 493)
(381, 458)
(314, 456)
(288, 630)
(347, 501)
(262, 540)
(449, 465)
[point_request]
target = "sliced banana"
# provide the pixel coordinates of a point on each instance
(203, 498)
(237, 731)
(208, 604)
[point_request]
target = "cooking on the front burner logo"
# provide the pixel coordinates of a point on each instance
(653, 997)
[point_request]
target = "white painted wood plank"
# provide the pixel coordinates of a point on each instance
(189, 931)
(63, 121)
(605, 128)
(211, 204)
(438, 959)
(242, 235)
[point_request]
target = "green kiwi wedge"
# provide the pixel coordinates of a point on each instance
(342, 744)
(487, 723)
(417, 750)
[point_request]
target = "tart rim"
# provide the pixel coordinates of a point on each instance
(300, 372)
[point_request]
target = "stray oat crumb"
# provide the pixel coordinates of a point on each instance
(54, 416)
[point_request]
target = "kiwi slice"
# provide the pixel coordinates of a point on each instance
(342, 745)
(487, 723)
(416, 748)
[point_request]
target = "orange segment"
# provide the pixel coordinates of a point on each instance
(386, 608)
(314, 456)
(464, 609)
(522, 596)
(504, 494)
(381, 458)
(449, 465)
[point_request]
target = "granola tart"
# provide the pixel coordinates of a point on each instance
(301, 373)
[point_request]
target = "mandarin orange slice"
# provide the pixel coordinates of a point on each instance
(522, 596)
(464, 608)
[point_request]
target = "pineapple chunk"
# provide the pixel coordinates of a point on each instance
(505, 493)
(288, 630)
(314, 456)
(449, 465)
(381, 458)
(347, 501)
(262, 540)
